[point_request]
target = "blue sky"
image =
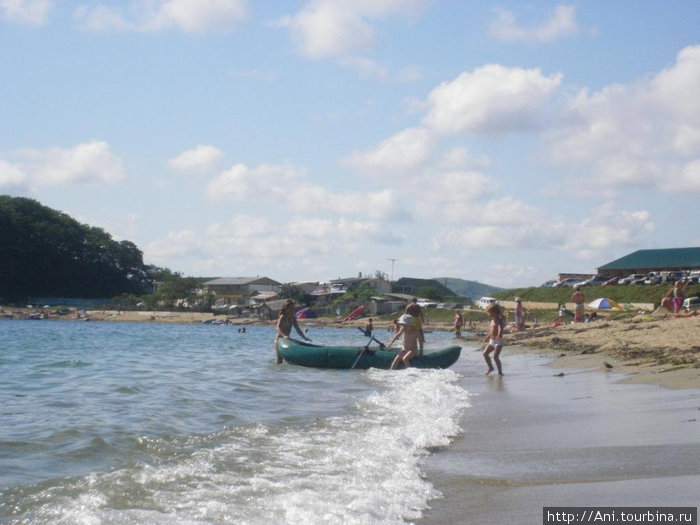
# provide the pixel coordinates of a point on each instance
(502, 142)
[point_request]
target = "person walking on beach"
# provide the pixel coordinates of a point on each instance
(414, 310)
(458, 324)
(285, 322)
(493, 338)
(519, 317)
(578, 298)
(409, 346)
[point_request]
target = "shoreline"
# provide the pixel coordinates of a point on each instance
(536, 438)
(659, 350)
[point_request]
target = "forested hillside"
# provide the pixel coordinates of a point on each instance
(471, 289)
(44, 252)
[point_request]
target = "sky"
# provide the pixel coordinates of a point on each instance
(502, 142)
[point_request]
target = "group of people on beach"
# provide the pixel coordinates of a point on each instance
(408, 327)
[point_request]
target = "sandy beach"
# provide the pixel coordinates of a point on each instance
(543, 436)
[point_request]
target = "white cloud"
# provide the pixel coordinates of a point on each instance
(510, 224)
(174, 244)
(102, 19)
(365, 67)
(491, 99)
(453, 196)
(609, 227)
(336, 28)
(403, 152)
(31, 12)
(459, 157)
(561, 23)
(267, 180)
(11, 175)
(286, 186)
(645, 134)
(344, 31)
(201, 158)
(250, 244)
(689, 178)
(191, 16)
(90, 162)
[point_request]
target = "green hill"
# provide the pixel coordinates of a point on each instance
(471, 289)
(46, 253)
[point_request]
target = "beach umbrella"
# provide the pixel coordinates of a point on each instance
(603, 303)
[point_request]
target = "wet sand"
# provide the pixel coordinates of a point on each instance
(537, 438)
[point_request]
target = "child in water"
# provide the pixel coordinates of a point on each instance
(493, 337)
(411, 338)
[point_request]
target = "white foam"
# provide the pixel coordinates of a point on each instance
(363, 467)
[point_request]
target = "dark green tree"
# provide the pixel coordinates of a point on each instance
(44, 252)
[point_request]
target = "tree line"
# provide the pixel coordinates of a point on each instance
(44, 252)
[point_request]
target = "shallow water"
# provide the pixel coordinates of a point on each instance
(155, 423)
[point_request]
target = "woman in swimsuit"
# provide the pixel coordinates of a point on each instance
(285, 322)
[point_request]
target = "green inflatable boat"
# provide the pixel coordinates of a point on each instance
(318, 356)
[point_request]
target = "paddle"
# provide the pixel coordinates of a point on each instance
(382, 346)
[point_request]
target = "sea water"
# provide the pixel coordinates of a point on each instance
(172, 423)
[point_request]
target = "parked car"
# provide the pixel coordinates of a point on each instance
(653, 278)
(425, 303)
(691, 303)
(568, 283)
(485, 301)
(694, 277)
(596, 280)
(548, 284)
(630, 279)
(671, 277)
(612, 281)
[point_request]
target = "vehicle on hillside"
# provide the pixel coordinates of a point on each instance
(653, 278)
(485, 301)
(631, 278)
(671, 277)
(691, 303)
(425, 303)
(548, 284)
(642, 279)
(612, 281)
(596, 280)
(694, 277)
(568, 283)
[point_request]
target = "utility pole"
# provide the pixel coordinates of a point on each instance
(391, 280)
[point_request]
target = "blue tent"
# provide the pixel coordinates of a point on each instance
(305, 313)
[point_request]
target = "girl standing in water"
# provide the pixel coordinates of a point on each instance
(285, 322)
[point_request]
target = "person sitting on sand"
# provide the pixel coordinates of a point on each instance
(493, 338)
(678, 295)
(411, 338)
(285, 322)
